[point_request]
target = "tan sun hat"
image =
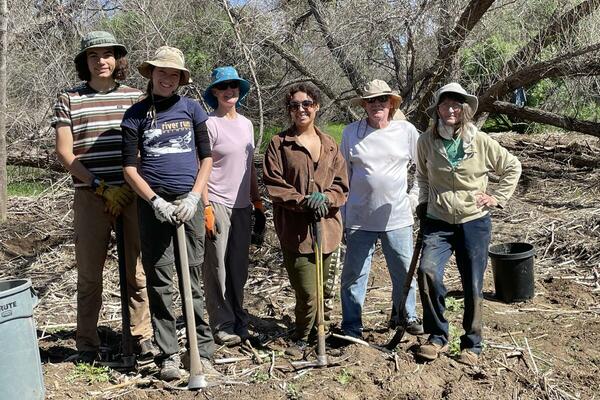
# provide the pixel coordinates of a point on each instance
(452, 87)
(167, 57)
(376, 88)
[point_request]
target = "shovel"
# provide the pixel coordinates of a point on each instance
(197, 378)
(128, 360)
(321, 350)
(401, 329)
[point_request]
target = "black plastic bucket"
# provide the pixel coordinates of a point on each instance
(512, 265)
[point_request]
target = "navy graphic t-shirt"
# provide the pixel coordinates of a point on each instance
(169, 143)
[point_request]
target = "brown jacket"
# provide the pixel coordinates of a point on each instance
(289, 175)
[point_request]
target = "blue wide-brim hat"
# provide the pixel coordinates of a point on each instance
(225, 74)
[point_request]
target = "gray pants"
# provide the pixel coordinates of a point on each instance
(225, 270)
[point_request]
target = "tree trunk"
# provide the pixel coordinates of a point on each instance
(3, 46)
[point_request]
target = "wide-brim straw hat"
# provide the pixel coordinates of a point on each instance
(376, 88)
(452, 87)
(98, 39)
(225, 74)
(166, 57)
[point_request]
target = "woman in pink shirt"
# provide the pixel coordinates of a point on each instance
(231, 195)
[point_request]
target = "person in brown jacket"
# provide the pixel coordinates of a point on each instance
(305, 175)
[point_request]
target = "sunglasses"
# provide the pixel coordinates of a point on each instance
(227, 85)
(380, 99)
(295, 105)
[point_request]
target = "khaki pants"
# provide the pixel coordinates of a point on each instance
(92, 234)
(302, 272)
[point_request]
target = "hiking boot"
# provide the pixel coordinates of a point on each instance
(147, 350)
(430, 350)
(296, 349)
(169, 370)
(208, 370)
(415, 327)
(468, 357)
(227, 339)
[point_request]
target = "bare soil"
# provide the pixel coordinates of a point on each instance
(545, 348)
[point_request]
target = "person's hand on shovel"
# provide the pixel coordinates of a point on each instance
(210, 223)
(318, 203)
(186, 208)
(164, 210)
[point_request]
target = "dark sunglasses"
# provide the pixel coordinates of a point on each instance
(226, 85)
(381, 99)
(295, 105)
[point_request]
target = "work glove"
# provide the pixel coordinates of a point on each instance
(321, 212)
(422, 211)
(210, 223)
(163, 210)
(260, 222)
(115, 197)
(186, 207)
(316, 200)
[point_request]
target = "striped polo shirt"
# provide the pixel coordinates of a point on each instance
(95, 121)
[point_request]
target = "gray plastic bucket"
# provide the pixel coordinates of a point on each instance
(21, 374)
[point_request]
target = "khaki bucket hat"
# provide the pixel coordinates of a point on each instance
(453, 87)
(376, 88)
(98, 39)
(167, 57)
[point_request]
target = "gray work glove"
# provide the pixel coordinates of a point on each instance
(186, 207)
(163, 210)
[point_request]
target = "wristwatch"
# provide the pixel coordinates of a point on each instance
(96, 182)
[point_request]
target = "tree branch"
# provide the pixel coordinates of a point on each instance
(545, 117)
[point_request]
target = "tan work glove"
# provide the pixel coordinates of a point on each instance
(116, 198)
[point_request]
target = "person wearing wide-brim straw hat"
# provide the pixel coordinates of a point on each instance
(88, 143)
(378, 151)
(454, 204)
(169, 133)
(232, 193)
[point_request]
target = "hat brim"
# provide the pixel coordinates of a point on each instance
(357, 101)
(212, 101)
(471, 100)
(83, 52)
(146, 67)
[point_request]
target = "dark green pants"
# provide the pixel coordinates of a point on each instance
(302, 270)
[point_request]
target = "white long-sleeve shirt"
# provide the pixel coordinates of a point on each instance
(378, 161)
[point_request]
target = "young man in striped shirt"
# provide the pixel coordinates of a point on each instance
(87, 120)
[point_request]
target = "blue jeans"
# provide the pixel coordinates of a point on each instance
(469, 242)
(360, 246)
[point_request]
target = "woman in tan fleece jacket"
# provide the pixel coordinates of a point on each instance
(454, 158)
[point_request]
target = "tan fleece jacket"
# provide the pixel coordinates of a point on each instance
(450, 192)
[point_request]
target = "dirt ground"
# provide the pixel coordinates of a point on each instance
(545, 348)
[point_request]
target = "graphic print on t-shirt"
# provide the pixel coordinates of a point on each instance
(171, 138)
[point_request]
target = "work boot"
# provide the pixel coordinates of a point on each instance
(430, 350)
(227, 339)
(415, 327)
(468, 357)
(296, 349)
(147, 350)
(208, 370)
(169, 370)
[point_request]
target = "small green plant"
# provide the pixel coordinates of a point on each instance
(292, 392)
(454, 305)
(89, 373)
(260, 377)
(454, 343)
(344, 377)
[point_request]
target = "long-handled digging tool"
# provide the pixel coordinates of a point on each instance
(197, 378)
(321, 350)
(401, 313)
(128, 359)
